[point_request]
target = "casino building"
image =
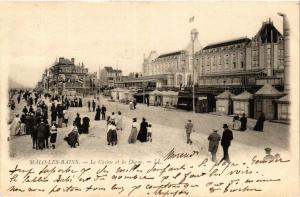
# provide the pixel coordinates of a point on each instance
(240, 62)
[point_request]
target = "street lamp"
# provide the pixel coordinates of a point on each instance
(286, 60)
(194, 34)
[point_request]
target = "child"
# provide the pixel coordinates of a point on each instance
(53, 134)
(149, 133)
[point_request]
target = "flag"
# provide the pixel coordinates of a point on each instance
(192, 19)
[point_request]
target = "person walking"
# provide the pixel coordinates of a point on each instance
(259, 126)
(189, 129)
(89, 105)
(133, 134)
(46, 135)
(103, 112)
(94, 105)
(73, 137)
(98, 111)
(226, 142)
(214, 139)
(53, 134)
(243, 121)
(142, 135)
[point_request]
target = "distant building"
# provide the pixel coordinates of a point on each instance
(64, 75)
(109, 76)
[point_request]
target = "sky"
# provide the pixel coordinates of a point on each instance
(118, 34)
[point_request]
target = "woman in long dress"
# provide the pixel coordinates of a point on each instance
(142, 136)
(236, 122)
(133, 133)
(73, 137)
(119, 121)
(23, 127)
(15, 126)
(98, 112)
(259, 126)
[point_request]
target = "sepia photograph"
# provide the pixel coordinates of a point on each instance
(149, 98)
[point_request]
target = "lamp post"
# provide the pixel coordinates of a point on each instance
(286, 59)
(194, 34)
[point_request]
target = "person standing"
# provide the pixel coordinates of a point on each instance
(103, 112)
(214, 139)
(89, 105)
(236, 122)
(94, 105)
(53, 114)
(46, 135)
(41, 135)
(226, 142)
(66, 117)
(98, 111)
(269, 156)
(142, 135)
(119, 121)
(19, 98)
(259, 126)
(34, 136)
(133, 133)
(78, 123)
(134, 103)
(113, 117)
(53, 134)
(60, 116)
(189, 129)
(85, 125)
(243, 121)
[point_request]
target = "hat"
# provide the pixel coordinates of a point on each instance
(268, 149)
(215, 129)
(225, 126)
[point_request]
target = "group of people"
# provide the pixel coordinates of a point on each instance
(144, 134)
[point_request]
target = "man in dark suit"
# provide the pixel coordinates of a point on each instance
(225, 142)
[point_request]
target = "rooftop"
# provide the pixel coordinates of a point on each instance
(170, 54)
(227, 43)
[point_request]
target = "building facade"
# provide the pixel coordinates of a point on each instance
(238, 62)
(64, 76)
(109, 76)
(176, 66)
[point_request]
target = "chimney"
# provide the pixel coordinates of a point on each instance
(73, 60)
(60, 60)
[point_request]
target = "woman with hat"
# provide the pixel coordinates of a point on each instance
(133, 133)
(142, 136)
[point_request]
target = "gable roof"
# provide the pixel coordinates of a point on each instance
(268, 32)
(268, 90)
(227, 43)
(243, 96)
(225, 95)
(284, 99)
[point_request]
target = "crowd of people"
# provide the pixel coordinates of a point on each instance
(33, 121)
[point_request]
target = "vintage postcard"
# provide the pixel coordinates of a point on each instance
(150, 99)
